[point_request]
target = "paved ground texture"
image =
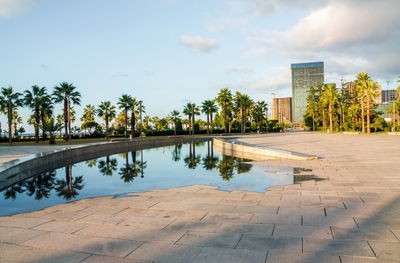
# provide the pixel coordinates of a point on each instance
(350, 214)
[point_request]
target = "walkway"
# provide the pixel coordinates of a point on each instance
(350, 214)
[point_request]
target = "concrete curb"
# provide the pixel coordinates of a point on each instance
(18, 170)
(250, 151)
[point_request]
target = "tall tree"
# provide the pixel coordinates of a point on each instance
(361, 85)
(187, 110)
(209, 108)
(243, 103)
(224, 100)
(66, 93)
(9, 101)
(259, 113)
(372, 91)
(107, 111)
(125, 103)
(330, 97)
(16, 119)
(175, 116)
(33, 99)
(135, 108)
(89, 112)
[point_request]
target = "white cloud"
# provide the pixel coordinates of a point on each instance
(10, 8)
(199, 43)
(349, 35)
(238, 69)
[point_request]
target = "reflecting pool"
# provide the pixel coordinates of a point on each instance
(139, 171)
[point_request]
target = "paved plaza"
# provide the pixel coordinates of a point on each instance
(350, 213)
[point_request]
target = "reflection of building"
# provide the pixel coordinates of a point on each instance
(304, 76)
(282, 109)
(389, 95)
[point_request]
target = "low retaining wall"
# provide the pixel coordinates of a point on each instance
(18, 171)
(249, 151)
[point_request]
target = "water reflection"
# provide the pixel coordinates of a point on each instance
(165, 167)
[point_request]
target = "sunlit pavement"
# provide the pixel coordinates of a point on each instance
(350, 214)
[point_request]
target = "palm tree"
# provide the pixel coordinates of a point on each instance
(107, 111)
(209, 108)
(330, 97)
(66, 93)
(224, 100)
(134, 110)
(372, 91)
(259, 111)
(49, 125)
(125, 103)
(10, 100)
(141, 110)
(89, 113)
(16, 119)
(175, 116)
(187, 110)
(243, 103)
(34, 99)
(361, 86)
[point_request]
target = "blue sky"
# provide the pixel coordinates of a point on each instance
(169, 52)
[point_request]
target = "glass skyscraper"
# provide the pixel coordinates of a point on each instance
(304, 75)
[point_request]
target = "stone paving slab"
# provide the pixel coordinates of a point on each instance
(352, 214)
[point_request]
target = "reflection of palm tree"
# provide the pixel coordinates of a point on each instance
(91, 163)
(12, 191)
(242, 167)
(41, 185)
(210, 162)
(176, 154)
(129, 171)
(108, 166)
(226, 167)
(69, 187)
(142, 165)
(192, 160)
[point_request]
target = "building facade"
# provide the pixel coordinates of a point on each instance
(282, 109)
(389, 95)
(304, 76)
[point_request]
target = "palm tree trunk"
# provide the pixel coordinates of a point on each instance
(66, 119)
(43, 128)
(394, 116)
(362, 116)
(174, 128)
(133, 123)
(106, 126)
(36, 125)
(9, 121)
(208, 123)
(126, 122)
(368, 113)
(211, 121)
(241, 116)
(330, 118)
(193, 124)
(69, 120)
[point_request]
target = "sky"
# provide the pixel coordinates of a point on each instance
(170, 52)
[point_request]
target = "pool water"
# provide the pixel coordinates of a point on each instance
(139, 171)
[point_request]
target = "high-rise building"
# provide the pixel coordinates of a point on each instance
(389, 95)
(304, 76)
(282, 109)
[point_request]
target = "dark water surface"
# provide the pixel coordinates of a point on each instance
(140, 171)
